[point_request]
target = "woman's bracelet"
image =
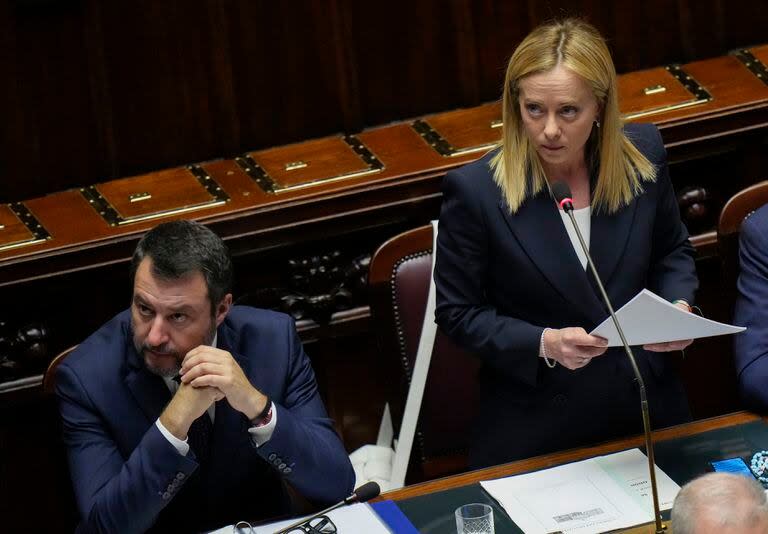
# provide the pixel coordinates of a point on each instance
(543, 351)
(682, 301)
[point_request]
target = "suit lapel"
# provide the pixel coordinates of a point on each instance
(149, 390)
(608, 241)
(538, 227)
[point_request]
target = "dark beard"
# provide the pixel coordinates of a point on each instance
(172, 371)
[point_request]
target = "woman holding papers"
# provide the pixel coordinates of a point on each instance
(510, 274)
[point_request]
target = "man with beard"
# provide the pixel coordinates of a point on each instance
(185, 412)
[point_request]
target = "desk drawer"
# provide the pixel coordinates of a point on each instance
(756, 60)
(660, 90)
(463, 131)
(309, 164)
(156, 195)
(19, 227)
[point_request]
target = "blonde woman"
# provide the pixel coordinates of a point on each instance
(512, 285)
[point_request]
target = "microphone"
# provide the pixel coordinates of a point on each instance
(364, 493)
(562, 194)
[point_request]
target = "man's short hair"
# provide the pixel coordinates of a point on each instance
(179, 248)
(723, 500)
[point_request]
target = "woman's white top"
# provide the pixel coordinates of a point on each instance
(582, 217)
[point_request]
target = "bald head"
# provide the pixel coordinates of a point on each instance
(720, 503)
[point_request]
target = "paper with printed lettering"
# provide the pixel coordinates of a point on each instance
(648, 318)
(588, 497)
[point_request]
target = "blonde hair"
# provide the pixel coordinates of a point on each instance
(579, 47)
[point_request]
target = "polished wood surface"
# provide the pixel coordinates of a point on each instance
(12, 230)
(96, 91)
(472, 128)
(651, 91)
(740, 206)
(318, 160)
(164, 192)
(558, 458)
(326, 176)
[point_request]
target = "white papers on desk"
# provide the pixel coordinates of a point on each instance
(648, 318)
(587, 497)
(358, 517)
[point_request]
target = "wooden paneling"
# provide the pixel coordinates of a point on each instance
(100, 90)
(95, 91)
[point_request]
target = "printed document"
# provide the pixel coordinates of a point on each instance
(596, 495)
(648, 318)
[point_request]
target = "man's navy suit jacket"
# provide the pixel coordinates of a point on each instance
(127, 477)
(501, 278)
(751, 346)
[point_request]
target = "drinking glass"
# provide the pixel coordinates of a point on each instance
(474, 518)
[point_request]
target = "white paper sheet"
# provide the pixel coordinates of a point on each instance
(648, 318)
(358, 517)
(587, 497)
(630, 470)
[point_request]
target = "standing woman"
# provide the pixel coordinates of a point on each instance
(511, 280)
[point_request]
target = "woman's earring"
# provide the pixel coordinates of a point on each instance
(597, 123)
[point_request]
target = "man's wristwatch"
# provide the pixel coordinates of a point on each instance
(265, 416)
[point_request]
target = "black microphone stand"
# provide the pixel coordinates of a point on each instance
(660, 527)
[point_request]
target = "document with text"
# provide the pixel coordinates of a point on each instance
(648, 318)
(588, 497)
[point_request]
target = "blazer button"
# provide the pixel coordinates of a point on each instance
(559, 400)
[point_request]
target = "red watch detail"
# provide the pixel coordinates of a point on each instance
(266, 419)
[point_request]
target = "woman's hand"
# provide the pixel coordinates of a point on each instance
(668, 347)
(573, 347)
(672, 345)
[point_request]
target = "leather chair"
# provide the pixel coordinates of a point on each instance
(739, 207)
(49, 378)
(58, 481)
(399, 283)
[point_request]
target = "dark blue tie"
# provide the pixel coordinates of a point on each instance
(199, 435)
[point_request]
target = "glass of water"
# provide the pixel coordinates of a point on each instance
(474, 518)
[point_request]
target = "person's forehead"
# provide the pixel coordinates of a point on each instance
(557, 83)
(188, 290)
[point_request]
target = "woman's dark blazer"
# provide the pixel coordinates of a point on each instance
(502, 278)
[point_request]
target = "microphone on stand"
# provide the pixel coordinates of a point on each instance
(364, 493)
(562, 194)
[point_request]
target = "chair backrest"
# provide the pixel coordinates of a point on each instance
(399, 281)
(49, 378)
(739, 207)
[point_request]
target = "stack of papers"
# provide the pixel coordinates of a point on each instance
(587, 497)
(648, 318)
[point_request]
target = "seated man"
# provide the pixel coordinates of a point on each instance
(185, 412)
(751, 346)
(720, 503)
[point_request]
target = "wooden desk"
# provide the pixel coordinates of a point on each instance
(551, 460)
